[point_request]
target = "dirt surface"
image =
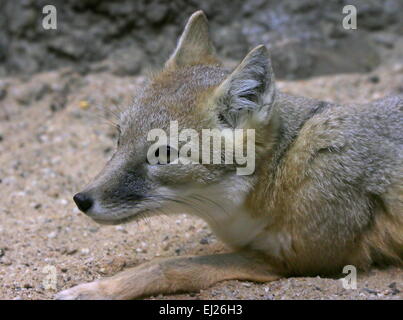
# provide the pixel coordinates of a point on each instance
(52, 143)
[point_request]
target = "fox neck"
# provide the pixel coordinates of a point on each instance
(236, 223)
(232, 222)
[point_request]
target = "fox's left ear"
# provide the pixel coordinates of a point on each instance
(194, 45)
(248, 92)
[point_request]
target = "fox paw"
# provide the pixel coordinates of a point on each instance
(85, 291)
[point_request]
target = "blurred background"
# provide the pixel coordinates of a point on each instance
(306, 37)
(60, 88)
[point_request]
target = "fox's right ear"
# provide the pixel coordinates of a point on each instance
(194, 45)
(248, 93)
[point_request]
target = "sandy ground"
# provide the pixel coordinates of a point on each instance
(51, 144)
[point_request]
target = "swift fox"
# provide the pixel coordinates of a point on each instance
(327, 190)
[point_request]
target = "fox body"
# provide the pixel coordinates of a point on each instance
(327, 190)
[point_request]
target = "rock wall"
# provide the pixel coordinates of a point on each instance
(126, 37)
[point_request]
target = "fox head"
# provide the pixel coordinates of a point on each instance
(196, 92)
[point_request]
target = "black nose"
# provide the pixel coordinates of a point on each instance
(83, 201)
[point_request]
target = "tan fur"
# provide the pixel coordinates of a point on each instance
(327, 190)
(173, 275)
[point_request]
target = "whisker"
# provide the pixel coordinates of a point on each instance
(211, 201)
(196, 203)
(107, 112)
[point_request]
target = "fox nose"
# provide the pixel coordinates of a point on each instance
(83, 201)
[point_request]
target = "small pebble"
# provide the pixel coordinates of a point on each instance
(85, 251)
(52, 235)
(7, 262)
(374, 79)
(71, 252)
(394, 288)
(63, 202)
(83, 104)
(204, 241)
(121, 229)
(370, 291)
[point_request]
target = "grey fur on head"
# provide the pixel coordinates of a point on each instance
(249, 89)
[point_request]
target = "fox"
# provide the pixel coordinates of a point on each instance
(326, 192)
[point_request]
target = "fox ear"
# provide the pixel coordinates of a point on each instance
(248, 92)
(194, 45)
